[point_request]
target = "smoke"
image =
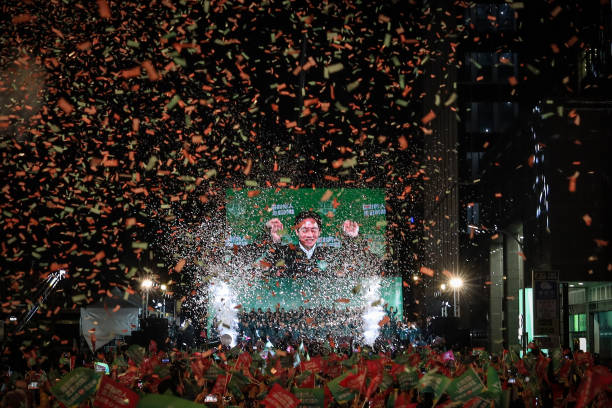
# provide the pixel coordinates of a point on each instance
(373, 312)
(223, 302)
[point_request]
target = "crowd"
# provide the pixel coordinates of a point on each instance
(322, 374)
(289, 327)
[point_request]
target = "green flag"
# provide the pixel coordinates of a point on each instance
(408, 379)
(467, 386)
(165, 401)
(237, 383)
(351, 361)
(436, 383)
(310, 397)
(494, 389)
(76, 386)
(387, 382)
(340, 393)
(213, 372)
(136, 353)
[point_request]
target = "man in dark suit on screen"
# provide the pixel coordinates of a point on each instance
(308, 258)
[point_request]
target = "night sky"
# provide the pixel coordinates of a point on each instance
(122, 123)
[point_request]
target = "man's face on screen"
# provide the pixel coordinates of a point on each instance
(308, 233)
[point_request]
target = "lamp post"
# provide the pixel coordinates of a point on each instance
(456, 283)
(146, 285)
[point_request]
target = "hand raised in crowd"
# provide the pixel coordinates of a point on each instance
(275, 226)
(350, 228)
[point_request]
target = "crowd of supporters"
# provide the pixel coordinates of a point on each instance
(401, 378)
(342, 325)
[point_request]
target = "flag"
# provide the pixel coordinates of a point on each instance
(465, 387)
(494, 389)
(244, 361)
(165, 401)
(220, 383)
(434, 383)
(111, 394)
(374, 383)
(213, 372)
(238, 381)
(76, 386)
(305, 380)
(310, 397)
(278, 397)
(339, 393)
(595, 380)
(314, 365)
(403, 401)
(354, 381)
(408, 379)
(136, 353)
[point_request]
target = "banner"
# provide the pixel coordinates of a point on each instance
(114, 395)
(465, 387)
(165, 401)
(546, 308)
(76, 386)
(278, 397)
(408, 379)
(340, 393)
(310, 397)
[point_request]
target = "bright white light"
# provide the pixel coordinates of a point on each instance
(443, 286)
(159, 304)
(146, 284)
(456, 282)
(580, 283)
(163, 286)
(13, 319)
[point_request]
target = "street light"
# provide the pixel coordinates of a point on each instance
(456, 283)
(146, 285)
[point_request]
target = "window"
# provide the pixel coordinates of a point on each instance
(577, 323)
(487, 18)
(473, 214)
(491, 117)
(490, 67)
(473, 161)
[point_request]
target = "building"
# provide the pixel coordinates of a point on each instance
(533, 178)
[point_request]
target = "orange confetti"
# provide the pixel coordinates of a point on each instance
(384, 321)
(427, 271)
(22, 18)
(572, 182)
(104, 9)
(587, 219)
(253, 193)
(179, 266)
(65, 106)
(151, 71)
(131, 73)
(429, 117)
(403, 143)
(343, 300)
(512, 81)
(116, 308)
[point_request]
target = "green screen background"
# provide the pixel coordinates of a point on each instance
(247, 210)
